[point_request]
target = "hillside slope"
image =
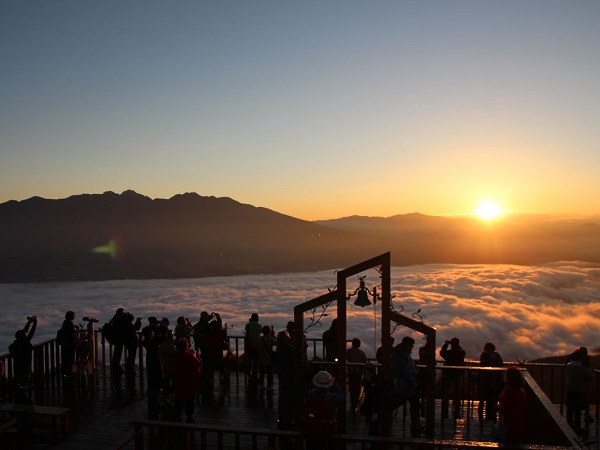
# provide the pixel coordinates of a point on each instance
(185, 236)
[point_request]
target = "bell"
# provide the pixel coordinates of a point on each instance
(362, 299)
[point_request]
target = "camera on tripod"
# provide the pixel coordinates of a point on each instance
(90, 319)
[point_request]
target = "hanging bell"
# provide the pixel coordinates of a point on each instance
(362, 299)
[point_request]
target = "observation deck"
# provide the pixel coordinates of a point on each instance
(107, 414)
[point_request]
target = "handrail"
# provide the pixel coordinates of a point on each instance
(256, 438)
(46, 365)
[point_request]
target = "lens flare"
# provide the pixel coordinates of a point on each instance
(110, 248)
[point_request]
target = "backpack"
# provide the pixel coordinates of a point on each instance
(108, 332)
(61, 336)
(391, 397)
(314, 421)
(13, 350)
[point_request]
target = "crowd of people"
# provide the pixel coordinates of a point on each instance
(178, 360)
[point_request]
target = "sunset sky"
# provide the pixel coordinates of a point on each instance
(313, 109)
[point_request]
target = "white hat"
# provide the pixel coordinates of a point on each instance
(323, 379)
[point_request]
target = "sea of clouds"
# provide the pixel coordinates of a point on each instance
(527, 311)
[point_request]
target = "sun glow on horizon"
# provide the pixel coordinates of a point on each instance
(488, 210)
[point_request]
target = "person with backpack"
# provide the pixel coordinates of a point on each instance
(318, 420)
(66, 337)
(21, 351)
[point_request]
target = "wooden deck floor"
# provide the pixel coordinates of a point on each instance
(102, 412)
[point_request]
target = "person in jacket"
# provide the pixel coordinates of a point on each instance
(21, 351)
(577, 375)
(370, 403)
(490, 383)
(130, 341)
(405, 376)
(357, 357)
(512, 406)
(68, 344)
(152, 336)
(324, 395)
(287, 352)
(118, 327)
(187, 369)
(167, 351)
(265, 358)
(453, 355)
(253, 341)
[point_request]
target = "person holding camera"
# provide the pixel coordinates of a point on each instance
(21, 351)
(453, 355)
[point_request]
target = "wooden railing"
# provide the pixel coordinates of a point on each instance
(158, 434)
(46, 363)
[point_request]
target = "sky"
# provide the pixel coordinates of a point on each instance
(528, 312)
(313, 109)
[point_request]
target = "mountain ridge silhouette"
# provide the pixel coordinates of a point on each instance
(191, 236)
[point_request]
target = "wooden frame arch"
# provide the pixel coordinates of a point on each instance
(387, 316)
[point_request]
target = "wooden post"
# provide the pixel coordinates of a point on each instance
(341, 348)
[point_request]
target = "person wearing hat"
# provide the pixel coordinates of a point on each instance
(323, 384)
(453, 355)
(318, 416)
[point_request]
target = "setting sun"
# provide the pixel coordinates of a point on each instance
(488, 210)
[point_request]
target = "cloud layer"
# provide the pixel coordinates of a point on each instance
(527, 311)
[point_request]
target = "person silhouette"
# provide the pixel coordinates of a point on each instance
(453, 355)
(68, 344)
(21, 351)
